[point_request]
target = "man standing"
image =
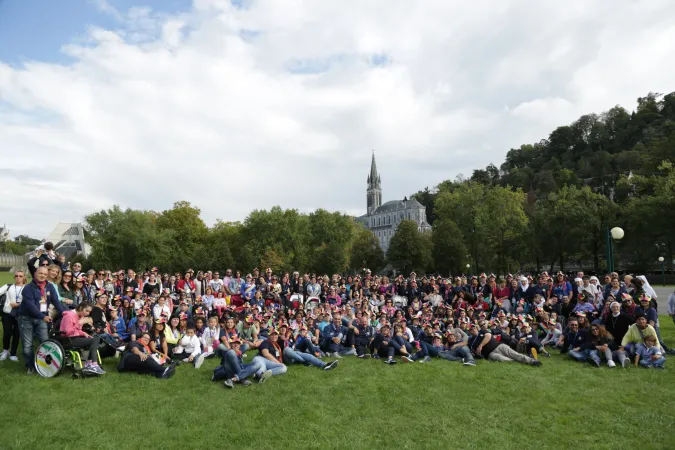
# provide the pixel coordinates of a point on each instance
(34, 313)
(130, 280)
(313, 288)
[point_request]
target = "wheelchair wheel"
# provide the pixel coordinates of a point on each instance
(50, 358)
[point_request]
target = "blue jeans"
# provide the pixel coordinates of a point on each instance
(291, 356)
(31, 328)
(341, 350)
(649, 363)
(581, 355)
(458, 354)
(402, 342)
(276, 368)
(595, 355)
(237, 370)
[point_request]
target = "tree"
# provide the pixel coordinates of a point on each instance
(366, 251)
(128, 239)
(449, 248)
(407, 251)
(188, 232)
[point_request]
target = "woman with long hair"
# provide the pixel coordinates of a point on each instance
(10, 313)
(158, 342)
(603, 345)
(65, 290)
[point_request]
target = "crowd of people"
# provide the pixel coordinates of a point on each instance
(156, 321)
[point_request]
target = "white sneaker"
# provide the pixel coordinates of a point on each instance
(4, 355)
(13, 358)
(611, 364)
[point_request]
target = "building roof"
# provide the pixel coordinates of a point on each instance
(396, 205)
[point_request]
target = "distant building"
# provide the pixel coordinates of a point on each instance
(68, 240)
(382, 219)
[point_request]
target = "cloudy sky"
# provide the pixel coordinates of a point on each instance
(237, 105)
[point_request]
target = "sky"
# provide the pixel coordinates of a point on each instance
(235, 105)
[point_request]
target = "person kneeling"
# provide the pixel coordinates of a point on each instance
(71, 326)
(139, 358)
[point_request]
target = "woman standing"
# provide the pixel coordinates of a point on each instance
(66, 290)
(10, 326)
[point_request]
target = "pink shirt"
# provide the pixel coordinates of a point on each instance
(71, 326)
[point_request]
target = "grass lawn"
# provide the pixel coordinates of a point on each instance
(362, 404)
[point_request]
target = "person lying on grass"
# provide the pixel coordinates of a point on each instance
(138, 358)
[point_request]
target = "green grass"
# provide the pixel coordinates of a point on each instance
(6, 277)
(362, 404)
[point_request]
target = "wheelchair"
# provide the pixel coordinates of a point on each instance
(56, 353)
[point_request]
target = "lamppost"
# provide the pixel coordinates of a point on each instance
(663, 270)
(468, 266)
(615, 234)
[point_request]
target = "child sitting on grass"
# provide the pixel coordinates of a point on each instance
(648, 354)
(189, 348)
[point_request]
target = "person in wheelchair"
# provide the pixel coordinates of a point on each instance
(71, 328)
(138, 358)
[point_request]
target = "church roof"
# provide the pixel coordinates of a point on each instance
(396, 205)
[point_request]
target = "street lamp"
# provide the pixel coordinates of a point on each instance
(663, 270)
(615, 234)
(468, 266)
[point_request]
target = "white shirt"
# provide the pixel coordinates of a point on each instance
(14, 295)
(158, 310)
(189, 345)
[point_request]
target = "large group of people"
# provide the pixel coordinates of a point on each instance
(155, 322)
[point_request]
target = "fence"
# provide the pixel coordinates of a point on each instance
(10, 262)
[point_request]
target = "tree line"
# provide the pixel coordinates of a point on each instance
(550, 204)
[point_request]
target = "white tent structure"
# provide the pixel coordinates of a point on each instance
(68, 239)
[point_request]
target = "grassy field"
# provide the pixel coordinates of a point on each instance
(362, 404)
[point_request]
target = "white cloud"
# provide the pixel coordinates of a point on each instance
(281, 102)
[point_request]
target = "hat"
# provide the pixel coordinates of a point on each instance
(438, 335)
(645, 298)
(302, 327)
(626, 297)
(100, 294)
(140, 312)
(235, 339)
(273, 331)
(182, 316)
(248, 319)
(160, 320)
(385, 324)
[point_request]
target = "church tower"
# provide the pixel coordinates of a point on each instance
(374, 192)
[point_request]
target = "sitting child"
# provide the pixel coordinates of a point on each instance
(118, 326)
(189, 348)
(649, 355)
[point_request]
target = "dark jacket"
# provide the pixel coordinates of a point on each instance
(30, 306)
(573, 340)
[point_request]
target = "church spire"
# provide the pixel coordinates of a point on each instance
(374, 192)
(374, 177)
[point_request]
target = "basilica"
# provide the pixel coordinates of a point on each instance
(382, 219)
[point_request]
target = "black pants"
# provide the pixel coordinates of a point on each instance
(133, 363)
(89, 345)
(10, 328)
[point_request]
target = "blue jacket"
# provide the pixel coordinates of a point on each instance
(330, 331)
(30, 306)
